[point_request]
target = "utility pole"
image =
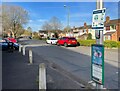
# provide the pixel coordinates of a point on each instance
(68, 16)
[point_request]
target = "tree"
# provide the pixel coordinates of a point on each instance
(29, 29)
(67, 29)
(14, 17)
(46, 26)
(53, 24)
(89, 36)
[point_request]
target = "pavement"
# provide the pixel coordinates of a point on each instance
(18, 74)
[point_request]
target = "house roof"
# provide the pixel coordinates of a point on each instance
(46, 31)
(85, 34)
(112, 22)
(109, 33)
(83, 27)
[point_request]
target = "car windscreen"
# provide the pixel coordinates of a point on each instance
(71, 38)
(53, 39)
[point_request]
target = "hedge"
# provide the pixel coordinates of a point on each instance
(86, 42)
(107, 43)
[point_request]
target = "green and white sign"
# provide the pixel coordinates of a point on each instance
(98, 19)
(97, 63)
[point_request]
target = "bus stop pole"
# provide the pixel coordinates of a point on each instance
(100, 40)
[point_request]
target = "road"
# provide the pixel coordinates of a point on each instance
(77, 61)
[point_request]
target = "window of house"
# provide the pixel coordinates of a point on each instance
(107, 28)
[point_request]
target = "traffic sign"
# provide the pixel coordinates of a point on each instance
(98, 19)
(97, 63)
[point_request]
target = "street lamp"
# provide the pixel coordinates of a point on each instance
(68, 16)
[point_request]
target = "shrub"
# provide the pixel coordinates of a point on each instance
(86, 42)
(118, 44)
(36, 37)
(107, 43)
(110, 44)
(89, 36)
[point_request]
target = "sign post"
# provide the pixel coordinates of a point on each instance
(97, 64)
(97, 60)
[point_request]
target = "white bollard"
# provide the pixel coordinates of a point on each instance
(23, 50)
(42, 77)
(30, 56)
(20, 48)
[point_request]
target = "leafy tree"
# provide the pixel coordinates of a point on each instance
(89, 36)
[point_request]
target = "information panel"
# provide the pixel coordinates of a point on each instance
(97, 63)
(98, 19)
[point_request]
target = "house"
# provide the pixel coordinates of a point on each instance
(43, 33)
(50, 33)
(83, 31)
(112, 29)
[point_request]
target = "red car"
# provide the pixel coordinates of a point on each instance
(67, 41)
(12, 40)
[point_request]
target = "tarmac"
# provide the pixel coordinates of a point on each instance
(19, 75)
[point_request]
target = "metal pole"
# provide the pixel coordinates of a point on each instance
(68, 16)
(99, 41)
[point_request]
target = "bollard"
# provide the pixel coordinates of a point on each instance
(23, 50)
(42, 77)
(30, 56)
(20, 48)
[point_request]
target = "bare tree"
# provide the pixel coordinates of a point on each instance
(53, 24)
(13, 18)
(46, 26)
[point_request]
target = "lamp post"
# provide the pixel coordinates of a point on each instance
(68, 16)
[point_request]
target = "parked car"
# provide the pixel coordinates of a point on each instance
(4, 44)
(66, 41)
(12, 40)
(51, 41)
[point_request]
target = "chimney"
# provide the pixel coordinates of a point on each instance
(107, 19)
(85, 24)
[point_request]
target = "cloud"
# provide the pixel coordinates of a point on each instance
(41, 20)
(30, 20)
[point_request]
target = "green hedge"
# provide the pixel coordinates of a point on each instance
(86, 42)
(107, 43)
(110, 44)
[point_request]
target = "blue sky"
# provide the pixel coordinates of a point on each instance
(80, 12)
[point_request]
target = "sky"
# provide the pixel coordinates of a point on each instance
(80, 12)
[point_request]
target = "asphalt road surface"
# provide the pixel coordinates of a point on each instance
(77, 62)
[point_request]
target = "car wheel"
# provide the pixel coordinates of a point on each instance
(65, 44)
(78, 44)
(51, 43)
(58, 44)
(46, 42)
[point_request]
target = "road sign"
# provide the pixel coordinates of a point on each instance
(97, 63)
(98, 19)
